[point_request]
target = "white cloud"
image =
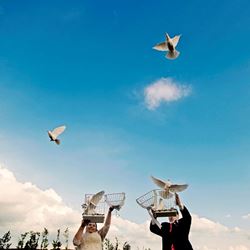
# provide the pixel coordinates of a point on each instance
(247, 216)
(164, 90)
(209, 235)
(240, 247)
(26, 207)
(201, 224)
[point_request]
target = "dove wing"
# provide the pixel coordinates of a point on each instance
(158, 182)
(177, 188)
(175, 40)
(95, 199)
(57, 131)
(161, 46)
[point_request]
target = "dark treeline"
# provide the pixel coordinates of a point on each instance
(39, 241)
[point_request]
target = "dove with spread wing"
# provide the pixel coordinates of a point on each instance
(55, 133)
(169, 46)
(168, 189)
(90, 205)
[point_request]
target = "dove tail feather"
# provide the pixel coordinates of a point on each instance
(172, 54)
(57, 141)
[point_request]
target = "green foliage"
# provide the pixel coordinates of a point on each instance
(126, 246)
(32, 243)
(57, 243)
(66, 236)
(108, 245)
(4, 241)
(116, 243)
(20, 243)
(45, 242)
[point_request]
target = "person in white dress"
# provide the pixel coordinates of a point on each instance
(92, 238)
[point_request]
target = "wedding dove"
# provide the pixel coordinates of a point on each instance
(168, 188)
(169, 46)
(55, 133)
(89, 207)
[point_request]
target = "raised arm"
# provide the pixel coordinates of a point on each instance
(77, 240)
(184, 212)
(155, 229)
(104, 230)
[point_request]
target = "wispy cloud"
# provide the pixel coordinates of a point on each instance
(164, 90)
(26, 207)
(246, 217)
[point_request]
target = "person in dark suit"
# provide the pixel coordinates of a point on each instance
(175, 232)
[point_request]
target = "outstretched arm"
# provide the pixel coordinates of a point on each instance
(77, 240)
(104, 230)
(184, 212)
(155, 229)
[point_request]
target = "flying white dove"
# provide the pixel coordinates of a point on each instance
(89, 207)
(168, 188)
(169, 45)
(55, 133)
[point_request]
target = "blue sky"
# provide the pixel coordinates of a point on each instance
(86, 64)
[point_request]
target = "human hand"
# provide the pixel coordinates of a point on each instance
(178, 200)
(85, 223)
(111, 209)
(151, 211)
(154, 215)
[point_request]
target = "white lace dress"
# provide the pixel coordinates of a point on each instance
(89, 241)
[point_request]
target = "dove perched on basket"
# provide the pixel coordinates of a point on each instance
(91, 204)
(169, 45)
(168, 189)
(55, 133)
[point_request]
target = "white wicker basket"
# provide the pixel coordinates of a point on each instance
(115, 199)
(99, 215)
(160, 207)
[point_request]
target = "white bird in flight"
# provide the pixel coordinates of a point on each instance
(55, 133)
(168, 188)
(169, 45)
(91, 204)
